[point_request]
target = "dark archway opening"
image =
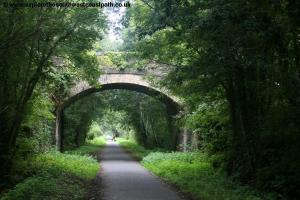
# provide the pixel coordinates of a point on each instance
(171, 109)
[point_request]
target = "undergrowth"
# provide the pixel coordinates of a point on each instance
(57, 176)
(89, 147)
(136, 150)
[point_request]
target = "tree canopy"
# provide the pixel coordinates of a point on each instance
(236, 64)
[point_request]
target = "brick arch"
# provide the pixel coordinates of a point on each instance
(133, 81)
(173, 107)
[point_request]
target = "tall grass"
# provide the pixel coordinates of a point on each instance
(91, 146)
(136, 150)
(193, 173)
(58, 176)
(47, 187)
(56, 163)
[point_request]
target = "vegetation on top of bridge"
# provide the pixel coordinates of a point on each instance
(130, 62)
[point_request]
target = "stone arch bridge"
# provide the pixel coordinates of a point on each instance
(113, 79)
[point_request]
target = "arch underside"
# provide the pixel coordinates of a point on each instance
(172, 106)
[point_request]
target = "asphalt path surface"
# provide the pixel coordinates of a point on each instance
(123, 178)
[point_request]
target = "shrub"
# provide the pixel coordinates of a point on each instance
(84, 167)
(138, 151)
(47, 187)
(57, 176)
(193, 173)
(91, 146)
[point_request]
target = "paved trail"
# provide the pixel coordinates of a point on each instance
(125, 179)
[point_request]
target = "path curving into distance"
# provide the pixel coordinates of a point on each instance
(123, 178)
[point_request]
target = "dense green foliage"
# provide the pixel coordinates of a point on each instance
(121, 61)
(194, 174)
(46, 188)
(54, 175)
(119, 112)
(42, 52)
(91, 146)
(80, 166)
(236, 64)
(78, 119)
(137, 151)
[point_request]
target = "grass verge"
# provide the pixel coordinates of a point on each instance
(132, 147)
(58, 176)
(90, 147)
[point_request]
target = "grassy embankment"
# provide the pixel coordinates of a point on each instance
(192, 173)
(57, 176)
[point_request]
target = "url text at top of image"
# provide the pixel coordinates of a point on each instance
(66, 4)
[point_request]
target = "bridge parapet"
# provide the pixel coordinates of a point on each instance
(124, 71)
(151, 69)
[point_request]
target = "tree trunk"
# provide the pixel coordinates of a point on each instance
(77, 138)
(243, 153)
(59, 129)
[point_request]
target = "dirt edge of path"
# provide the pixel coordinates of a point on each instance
(95, 191)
